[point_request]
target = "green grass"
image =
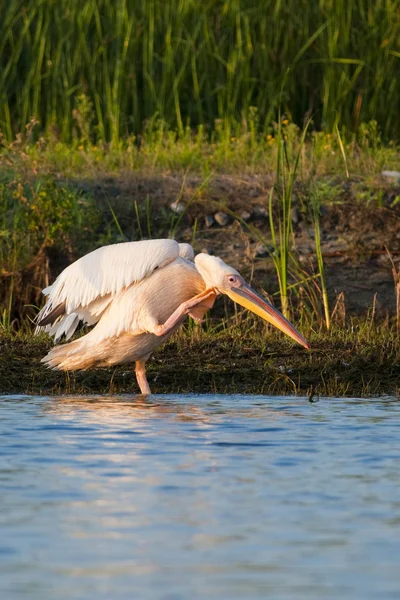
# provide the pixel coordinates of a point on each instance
(162, 150)
(106, 69)
(227, 356)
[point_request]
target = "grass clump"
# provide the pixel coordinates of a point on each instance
(163, 149)
(41, 222)
(362, 359)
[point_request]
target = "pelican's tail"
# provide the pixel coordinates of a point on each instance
(70, 357)
(89, 351)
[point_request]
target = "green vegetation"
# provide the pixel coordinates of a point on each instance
(59, 201)
(49, 215)
(235, 355)
(106, 69)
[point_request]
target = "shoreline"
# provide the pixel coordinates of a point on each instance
(227, 363)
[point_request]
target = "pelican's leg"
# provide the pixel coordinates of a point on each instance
(183, 310)
(141, 378)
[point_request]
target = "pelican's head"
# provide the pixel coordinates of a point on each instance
(226, 280)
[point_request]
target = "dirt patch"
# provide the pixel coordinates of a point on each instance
(356, 234)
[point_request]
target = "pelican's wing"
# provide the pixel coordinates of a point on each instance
(84, 289)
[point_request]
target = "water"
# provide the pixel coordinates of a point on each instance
(192, 497)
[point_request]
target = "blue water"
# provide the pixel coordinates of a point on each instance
(192, 497)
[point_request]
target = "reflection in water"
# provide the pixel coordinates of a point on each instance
(199, 497)
(136, 408)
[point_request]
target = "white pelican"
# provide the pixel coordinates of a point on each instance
(137, 294)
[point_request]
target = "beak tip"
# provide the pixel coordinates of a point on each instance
(247, 297)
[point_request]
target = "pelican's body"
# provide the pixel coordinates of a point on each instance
(137, 294)
(122, 334)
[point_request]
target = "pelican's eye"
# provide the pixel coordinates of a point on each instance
(232, 279)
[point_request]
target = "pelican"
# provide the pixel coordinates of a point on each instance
(136, 295)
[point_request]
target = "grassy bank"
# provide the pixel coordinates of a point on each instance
(103, 69)
(58, 201)
(361, 359)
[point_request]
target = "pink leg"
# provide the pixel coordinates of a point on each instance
(141, 378)
(182, 310)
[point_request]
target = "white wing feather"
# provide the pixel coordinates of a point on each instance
(138, 308)
(88, 285)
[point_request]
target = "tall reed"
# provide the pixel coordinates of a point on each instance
(316, 213)
(191, 62)
(280, 219)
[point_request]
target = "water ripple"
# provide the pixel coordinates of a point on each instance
(216, 497)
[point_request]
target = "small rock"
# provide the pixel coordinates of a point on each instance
(209, 220)
(323, 210)
(245, 215)
(221, 218)
(177, 207)
(260, 212)
(261, 250)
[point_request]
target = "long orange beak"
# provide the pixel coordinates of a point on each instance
(247, 297)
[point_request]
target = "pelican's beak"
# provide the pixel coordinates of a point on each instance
(247, 297)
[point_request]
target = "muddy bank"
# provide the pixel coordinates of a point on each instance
(247, 363)
(358, 234)
(360, 227)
